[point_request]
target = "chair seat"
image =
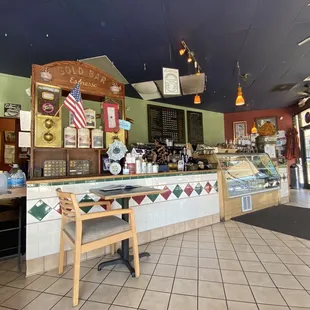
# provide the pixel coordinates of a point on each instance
(99, 228)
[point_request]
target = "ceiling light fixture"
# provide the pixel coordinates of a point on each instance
(182, 51)
(190, 57)
(304, 41)
(240, 100)
(197, 99)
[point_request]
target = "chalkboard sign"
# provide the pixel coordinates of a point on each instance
(166, 123)
(195, 127)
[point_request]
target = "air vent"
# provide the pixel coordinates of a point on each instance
(246, 203)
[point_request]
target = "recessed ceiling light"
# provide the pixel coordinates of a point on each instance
(46, 35)
(304, 41)
(5, 34)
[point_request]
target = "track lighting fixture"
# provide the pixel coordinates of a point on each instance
(190, 57)
(182, 51)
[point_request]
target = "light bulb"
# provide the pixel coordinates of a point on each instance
(182, 51)
(189, 59)
(240, 100)
(197, 99)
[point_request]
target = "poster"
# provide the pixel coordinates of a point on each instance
(12, 110)
(9, 154)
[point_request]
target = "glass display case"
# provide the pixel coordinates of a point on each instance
(248, 173)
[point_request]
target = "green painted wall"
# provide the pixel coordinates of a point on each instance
(12, 90)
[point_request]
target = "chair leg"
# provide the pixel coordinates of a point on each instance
(135, 250)
(76, 276)
(61, 253)
(112, 248)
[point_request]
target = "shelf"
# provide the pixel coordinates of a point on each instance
(66, 148)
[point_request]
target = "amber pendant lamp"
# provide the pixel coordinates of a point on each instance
(239, 100)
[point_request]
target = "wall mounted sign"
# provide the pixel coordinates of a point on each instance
(240, 129)
(124, 124)
(195, 127)
(12, 110)
(171, 81)
(111, 117)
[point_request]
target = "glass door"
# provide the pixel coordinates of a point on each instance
(305, 149)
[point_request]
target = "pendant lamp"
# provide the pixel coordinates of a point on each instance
(197, 99)
(239, 100)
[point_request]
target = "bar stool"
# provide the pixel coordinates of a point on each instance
(88, 232)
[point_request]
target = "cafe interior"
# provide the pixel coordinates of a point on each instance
(154, 154)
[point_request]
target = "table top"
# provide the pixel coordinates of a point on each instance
(126, 193)
(14, 193)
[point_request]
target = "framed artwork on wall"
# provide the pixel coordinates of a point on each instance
(240, 129)
(260, 121)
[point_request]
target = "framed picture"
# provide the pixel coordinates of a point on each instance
(240, 129)
(12, 110)
(260, 121)
(9, 137)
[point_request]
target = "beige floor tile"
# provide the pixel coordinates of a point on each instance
(211, 290)
(91, 263)
(22, 281)
(224, 247)
(275, 242)
(224, 240)
(296, 298)
(161, 242)
(262, 249)
(237, 292)
(190, 244)
(43, 302)
(247, 256)
(206, 245)
(305, 259)
(305, 281)
(60, 287)
(153, 249)
(177, 237)
(105, 293)
(20, 299)
(281, 250)
(153, 258)
(290, 259)
(206, 238)
(174, 243)
(54, 272)
(207, 253)
(227, 264)
(252, 266)
(244, 248)
(7, 292)
(8, 276)
(239, 241)
(212, 275)
(235, 277)
(92, 305)
(86, 289)
(129, 297)
(285, 281)
(168, 259)
(189, 252)
(83, 272)
(277, 268)
(268, 307)
(181, 302)
(116, 278)
(208, 263)
(301, 251)
(141, 282)
(236, 305)
(212, 304)
(188, 261)
(162, 284)
(190, 237)
(171, 250)
(96, 276)
(256, 241)
(42, 283)
(147, 268)
(65, 303)
(155, 300)
(299, 270)
(268, 258)
(187, 272)
(185, 287)
(227, 255)
(165, 270)
(267, 295)
(259, 279)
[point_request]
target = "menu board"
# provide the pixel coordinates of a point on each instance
(195, 127)
(166, 123)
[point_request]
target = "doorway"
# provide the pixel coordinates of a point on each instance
(305, 153)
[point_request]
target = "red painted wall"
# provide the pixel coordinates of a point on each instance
(249, 117)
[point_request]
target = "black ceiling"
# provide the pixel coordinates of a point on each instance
(263, 34)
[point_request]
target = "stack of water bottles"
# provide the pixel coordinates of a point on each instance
(15, 178)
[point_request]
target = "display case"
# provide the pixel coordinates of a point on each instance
(247, 174)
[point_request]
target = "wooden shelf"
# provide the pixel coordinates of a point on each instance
(67, 148)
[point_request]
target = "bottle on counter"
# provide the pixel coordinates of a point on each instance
(17, 177)
(125, 169)
(3, 182)
(143, 167)
(149, 168)
(138, 166)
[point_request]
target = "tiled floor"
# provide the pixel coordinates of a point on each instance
(224, 266)
(300, 198)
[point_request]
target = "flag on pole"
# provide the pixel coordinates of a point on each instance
(75, 105)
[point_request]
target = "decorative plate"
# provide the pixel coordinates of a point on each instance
(117, 150)
(115, 168)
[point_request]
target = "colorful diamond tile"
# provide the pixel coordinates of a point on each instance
(58, 209)
(138, 199)
(215, 186)
(188, 190)
(153, 197)
(120, 201)
(104, 206)
(86, 198)
(167, 193)
(208, 187)
(178, 191)
(198, 188)
(40, 210)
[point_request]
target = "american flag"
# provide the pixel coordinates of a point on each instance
(74, 103)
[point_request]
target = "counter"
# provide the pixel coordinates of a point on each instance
(191, 201)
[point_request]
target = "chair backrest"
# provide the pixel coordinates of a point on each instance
(69, 205)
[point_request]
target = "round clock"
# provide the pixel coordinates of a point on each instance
(115, 168)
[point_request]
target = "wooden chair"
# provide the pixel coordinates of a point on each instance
(92, 231)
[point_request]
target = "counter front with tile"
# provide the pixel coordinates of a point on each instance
(190, 201)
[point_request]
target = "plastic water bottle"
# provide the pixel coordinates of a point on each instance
(3, 182)
(17, 177)
(21, 178)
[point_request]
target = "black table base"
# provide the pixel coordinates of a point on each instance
(125, 258)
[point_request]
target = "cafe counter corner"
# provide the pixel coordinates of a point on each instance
(190, 201)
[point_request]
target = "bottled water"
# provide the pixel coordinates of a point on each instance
(3, 182)
(17, 177)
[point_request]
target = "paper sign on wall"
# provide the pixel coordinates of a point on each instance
(124, 124)
(171, 83)
(24, 139)
(25, 120)
(111, 119)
